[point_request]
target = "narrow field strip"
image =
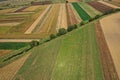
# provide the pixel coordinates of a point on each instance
(113, 3)
(72, 17)
(100, 7)
(110, 26)
(9, 71)
(62, 17)
(31, 8)
(4, 52)
(49, 26)
(32, 27)
(17, 40)
(76, 14)
(106, 59)
(105, 3)
(81, 12)
(91, 11)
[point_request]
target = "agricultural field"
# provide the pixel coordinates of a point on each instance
(84, 16)
(60, 60)
(59, 40)
(49, 25)
(62, 17)
(101, 7)
(110, 26)
(91, 11)
(18, 23)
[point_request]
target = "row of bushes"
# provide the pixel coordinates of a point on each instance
(63, 31)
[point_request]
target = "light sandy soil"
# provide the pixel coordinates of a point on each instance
(9, 71)
(62, 17)
(9, 24)
(111, 29)
(31, 8)
(105, 3)
(3, 52)
(17, 40)
(32, 27)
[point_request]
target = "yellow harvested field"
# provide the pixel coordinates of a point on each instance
(7, 10)
(111, 29)
(49, 25)
(3, 52)
(10, 24)
(105, 3)
(32, 27)
(62, 17)
(31, 8)
(9, 71)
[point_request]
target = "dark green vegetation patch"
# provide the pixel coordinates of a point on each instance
(81, 12)
(12, 45)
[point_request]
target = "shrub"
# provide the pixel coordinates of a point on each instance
(52, 36)
(61, 31)
(34, 43)
(70, 28)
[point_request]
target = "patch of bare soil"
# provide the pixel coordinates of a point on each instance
(111, 29)
(9, 71)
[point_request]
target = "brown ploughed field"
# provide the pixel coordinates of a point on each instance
(99, 6)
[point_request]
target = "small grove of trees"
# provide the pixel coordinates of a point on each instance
(34, 43)
(61, 31)
(70, 28)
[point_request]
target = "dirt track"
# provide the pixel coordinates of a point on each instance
(106, 59)
(9, 71)
(111, 29)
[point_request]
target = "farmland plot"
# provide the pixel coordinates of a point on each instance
(31, 8)
(81, 12)
(62, 17)
(32, 27)
(105, 3)
(29, 20)
(99, 6)
(73, 17)
(49, 26)
(91, 11)
(8, 72)
(74, 56)
(7, 10)
(113, 3)
(3, 52)
(110, 26)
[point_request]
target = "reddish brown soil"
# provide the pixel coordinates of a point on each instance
(106, 59)
(72, 18)
(99, 6)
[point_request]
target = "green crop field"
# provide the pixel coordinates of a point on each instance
(91, 11)
(12, 45)
(81, 12)
(74, 56)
